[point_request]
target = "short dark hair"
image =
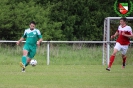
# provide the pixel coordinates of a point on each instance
(124, 19)
(33, 22)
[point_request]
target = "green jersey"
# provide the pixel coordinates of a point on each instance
(32, 36)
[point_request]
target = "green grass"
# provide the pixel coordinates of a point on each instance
(66, 76)
(59, 55)
(70, 67)
(62, 55)
(75, 55)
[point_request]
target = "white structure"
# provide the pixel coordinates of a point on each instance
(106, 38)
(48, 45)
(48, 42)
(106, 41)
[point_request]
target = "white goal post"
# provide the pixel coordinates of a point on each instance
(106, 38)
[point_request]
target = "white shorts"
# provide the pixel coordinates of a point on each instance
(122, 48)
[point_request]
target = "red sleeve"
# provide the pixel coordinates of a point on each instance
(127, 32)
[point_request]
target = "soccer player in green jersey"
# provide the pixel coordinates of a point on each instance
(33, 39)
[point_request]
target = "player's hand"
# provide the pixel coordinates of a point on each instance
(18, 42)
(38, 43)
(112, 36)
(123, 33)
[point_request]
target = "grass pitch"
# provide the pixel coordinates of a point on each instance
(70, 67)
(66, 76)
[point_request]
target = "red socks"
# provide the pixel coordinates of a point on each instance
(111, 61)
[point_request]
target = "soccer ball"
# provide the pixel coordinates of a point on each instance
(33, 62)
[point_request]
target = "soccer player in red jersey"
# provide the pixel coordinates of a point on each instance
(122, 42)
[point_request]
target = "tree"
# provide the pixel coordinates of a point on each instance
(56, 19)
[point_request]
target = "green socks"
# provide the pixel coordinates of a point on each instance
(24, 60)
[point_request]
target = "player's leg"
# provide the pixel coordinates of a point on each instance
(124, 61)
(124, 51)
(24, 57)
(31, 54)
(28, 61)
(112, 57)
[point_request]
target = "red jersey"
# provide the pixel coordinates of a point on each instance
(123, 40)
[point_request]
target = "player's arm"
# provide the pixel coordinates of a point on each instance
(20, 40)
(127, 35)
(39, 41)
(39, 37)
(113, 36)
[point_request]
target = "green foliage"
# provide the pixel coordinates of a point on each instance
(56, 19)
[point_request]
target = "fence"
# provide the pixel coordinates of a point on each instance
(48, 46)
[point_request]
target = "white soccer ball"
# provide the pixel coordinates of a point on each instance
(33, 62)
